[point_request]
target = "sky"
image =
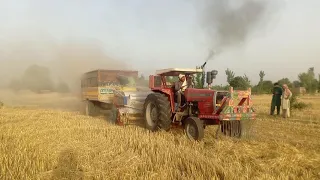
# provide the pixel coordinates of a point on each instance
(152, 34)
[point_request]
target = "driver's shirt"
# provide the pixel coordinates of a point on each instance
(184, 85)
(179, 84)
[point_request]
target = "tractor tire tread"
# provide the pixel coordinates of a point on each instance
(165, 112)
(199, 126)
(164, 109)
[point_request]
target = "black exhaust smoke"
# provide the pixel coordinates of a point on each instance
(229, 23)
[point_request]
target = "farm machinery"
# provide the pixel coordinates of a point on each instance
(114, 94)
(157, 105)
(202, 107)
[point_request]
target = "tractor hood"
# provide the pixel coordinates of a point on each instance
(192, 94)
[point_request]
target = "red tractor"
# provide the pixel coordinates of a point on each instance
(202, 107)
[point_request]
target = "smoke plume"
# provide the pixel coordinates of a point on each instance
(229, 23)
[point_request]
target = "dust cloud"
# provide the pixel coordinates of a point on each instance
(65, 60)
(229, 23)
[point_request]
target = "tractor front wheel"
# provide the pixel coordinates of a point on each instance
(157, 112)
(194, 128)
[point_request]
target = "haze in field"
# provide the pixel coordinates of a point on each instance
(70, 37)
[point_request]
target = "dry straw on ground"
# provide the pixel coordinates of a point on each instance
(54, 144)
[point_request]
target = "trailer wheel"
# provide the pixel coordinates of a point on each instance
(113, 115)
(91, 109)
(194, 128)
(157, 112)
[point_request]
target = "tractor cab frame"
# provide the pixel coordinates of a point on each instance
(161, 83)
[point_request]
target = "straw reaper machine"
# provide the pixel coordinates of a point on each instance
(114, 94)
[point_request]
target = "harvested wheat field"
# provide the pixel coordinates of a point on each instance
(49, 143)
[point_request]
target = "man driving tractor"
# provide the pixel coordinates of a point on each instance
(180, 86)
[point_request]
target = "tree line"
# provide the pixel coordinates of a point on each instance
(307, 79)
(37, 78)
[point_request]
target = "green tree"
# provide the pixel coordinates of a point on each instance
(296, 84)
(172, 79)
(308, 80)
(261, 75)
(239, 83)
(220, 87)
(198, 81)
(267, 86)
(259, 88)
(314, 86)
(246, 78)
(230, 75)
(264, 87)
(37, 78)
(285, 81)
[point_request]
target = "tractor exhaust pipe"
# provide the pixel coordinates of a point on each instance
(210, 77)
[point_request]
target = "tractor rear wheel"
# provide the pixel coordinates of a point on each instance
(194, 128)
(157, 112)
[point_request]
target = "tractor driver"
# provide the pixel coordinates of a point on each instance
(180, 86)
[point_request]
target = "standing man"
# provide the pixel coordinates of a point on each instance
(286, 95)
(276, 98)
(179, 87)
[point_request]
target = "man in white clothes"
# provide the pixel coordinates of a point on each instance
(180, 87)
